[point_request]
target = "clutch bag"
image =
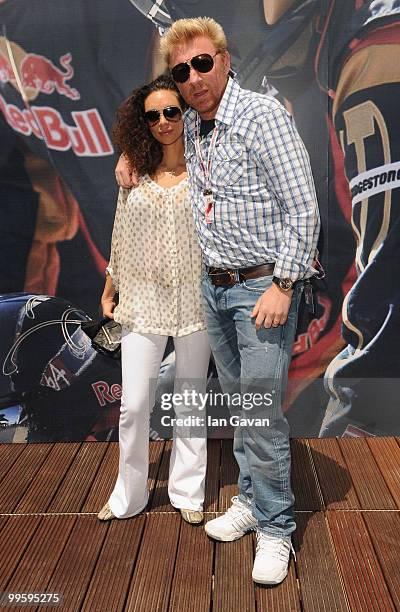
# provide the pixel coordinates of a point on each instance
(105, 335)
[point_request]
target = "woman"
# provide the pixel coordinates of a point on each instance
(155, 265)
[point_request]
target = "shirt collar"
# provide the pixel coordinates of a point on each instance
(226, 109)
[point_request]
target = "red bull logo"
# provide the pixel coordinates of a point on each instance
(86, 136)
(38, 74)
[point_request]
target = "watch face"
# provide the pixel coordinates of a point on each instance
(285, 284)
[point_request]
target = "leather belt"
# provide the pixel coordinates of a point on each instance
(223, 276)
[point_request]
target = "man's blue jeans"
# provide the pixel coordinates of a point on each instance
(256, 361)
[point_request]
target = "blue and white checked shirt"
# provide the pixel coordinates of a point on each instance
(265, 206)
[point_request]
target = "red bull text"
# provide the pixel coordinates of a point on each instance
(86, 137)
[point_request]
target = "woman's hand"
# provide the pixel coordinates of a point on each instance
(125, 175)
(108, 299)
(108, 304)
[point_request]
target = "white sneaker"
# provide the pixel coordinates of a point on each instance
(232, 525)
(272, 559)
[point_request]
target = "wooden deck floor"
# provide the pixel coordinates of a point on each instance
(347, 542)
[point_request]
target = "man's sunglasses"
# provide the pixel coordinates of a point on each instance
(202, 63)
(171, 113)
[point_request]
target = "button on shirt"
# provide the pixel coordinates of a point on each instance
(155, 261)
(265, 205)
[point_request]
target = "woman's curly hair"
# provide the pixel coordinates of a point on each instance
(131, 134)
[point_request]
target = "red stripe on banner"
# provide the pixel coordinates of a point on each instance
(386, 35)
(98, 258)
(321, 43)
(342, 188)
(313, 363)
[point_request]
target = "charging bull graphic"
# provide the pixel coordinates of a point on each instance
(37, 73)
(41, 74)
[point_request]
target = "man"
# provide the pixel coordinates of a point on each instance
(257, 218)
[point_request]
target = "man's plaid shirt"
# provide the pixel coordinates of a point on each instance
(265, 204)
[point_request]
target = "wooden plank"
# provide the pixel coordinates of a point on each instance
(363, 579)
(334, 479)
(104, 480)
(386, 453)
(384, 529)
(160, 500)
(233, 585)
(283, 597)
(49, 477)
(21, 474)
(212, 475)
(41, 555)
(14, 539)
(106, 476)
(73, 572)
(3, 522)
(110, 582)
(371, 488)
(156, 453)
(192, 582)
(228, 475)
(319, 576)
(304, 480)
(9, 455)
(78, 480)
(353, 565)
(151, 584)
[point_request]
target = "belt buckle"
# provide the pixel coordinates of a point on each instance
(232, 276)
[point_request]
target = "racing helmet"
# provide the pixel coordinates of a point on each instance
(50, 370)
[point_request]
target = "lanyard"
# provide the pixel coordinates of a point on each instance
(205, 164)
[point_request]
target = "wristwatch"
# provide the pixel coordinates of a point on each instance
(283, 283)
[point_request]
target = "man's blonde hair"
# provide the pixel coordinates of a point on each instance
(184, 30)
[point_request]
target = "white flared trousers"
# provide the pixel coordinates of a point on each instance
(141, 356)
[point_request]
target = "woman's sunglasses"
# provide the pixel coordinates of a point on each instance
(201, 63)
(171, 113)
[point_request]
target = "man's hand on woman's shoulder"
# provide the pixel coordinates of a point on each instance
(125, 175)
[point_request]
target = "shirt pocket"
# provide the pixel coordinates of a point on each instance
(195, 173)
(227, 164)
